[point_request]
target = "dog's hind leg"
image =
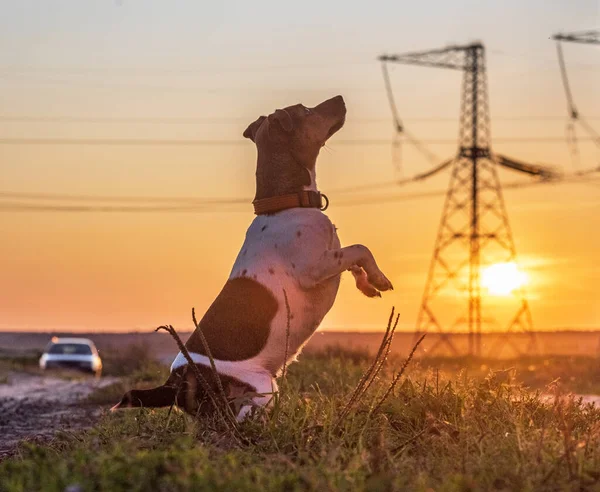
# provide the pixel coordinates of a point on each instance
(334, 262)
(163, 396)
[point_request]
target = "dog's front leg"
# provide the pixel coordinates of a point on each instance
(334, 262)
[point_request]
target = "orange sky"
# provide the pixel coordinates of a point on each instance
(127, 271)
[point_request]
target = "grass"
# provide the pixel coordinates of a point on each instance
(573, 373)
(443, 428)
(14, 361)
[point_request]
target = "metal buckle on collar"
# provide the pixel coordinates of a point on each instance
(314, 199)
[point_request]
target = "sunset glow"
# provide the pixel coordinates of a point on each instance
(501, 279)
(131, 115)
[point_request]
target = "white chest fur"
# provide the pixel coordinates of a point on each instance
(278, 250)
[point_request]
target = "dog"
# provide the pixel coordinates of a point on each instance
(285, 278)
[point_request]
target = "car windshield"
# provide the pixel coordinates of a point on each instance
(70, 349)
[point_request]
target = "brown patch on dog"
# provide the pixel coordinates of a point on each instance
(244, 271)
(182, 389)
(298, 233)
(293, 265)
(271, 271)
(238, 323)
(335, 254)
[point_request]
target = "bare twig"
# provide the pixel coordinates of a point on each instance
(287, 333)
(384, 356)
(182, 348)
(170, 412)
(409, 441)
(371, 373)
(365, 377)
(212, 365)
(232, 425)
(398, 376)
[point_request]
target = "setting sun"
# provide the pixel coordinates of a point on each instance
(501, 279)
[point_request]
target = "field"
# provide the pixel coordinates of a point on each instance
(448, 424)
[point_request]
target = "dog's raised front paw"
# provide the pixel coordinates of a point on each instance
(366, 288)
(362, 283)
(380, 282)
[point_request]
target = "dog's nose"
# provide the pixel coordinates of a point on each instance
(338, 100)
(334, 104)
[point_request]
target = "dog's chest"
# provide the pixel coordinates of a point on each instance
(278, 249)
(285, 244)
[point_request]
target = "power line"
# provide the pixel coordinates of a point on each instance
(573, 114)
(26, 207)
(195, 201)
(60, 83)
(397, 183)
(231, 68)
(125, 119)
(399, 128)
(200, 142)
(549, 61)
(170, 71)
(236, 120)
(204, 205)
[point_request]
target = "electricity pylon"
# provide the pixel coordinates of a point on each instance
(586, 37)
(474, 229)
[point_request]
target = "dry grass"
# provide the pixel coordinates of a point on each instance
(430, 429)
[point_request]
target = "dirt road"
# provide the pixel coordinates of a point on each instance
(34, 407)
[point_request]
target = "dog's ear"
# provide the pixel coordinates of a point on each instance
(253, 128)
(284, 119)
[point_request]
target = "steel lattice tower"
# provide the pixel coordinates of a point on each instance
(474, 228)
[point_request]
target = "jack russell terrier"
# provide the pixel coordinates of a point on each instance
(291, 250)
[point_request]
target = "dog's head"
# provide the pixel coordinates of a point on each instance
(289, 141)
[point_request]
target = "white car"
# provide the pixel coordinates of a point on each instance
(71, 353)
